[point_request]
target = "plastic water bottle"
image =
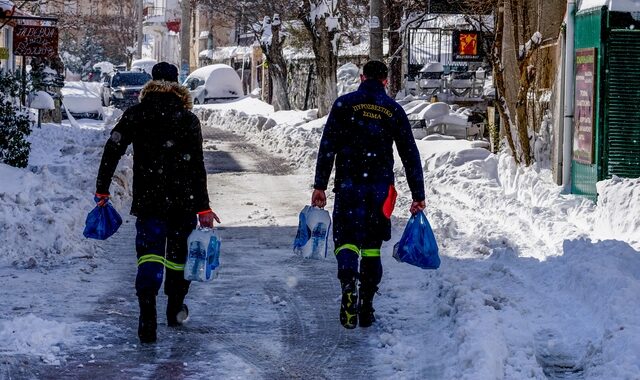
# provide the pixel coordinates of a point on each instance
(203, 255)
(213, 257)
(317, 222)
(318, 238)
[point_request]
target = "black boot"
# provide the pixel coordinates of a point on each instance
(177, 311)
(349, 305)
(147, 323)
(365, 308)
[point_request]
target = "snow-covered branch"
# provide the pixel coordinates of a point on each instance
(527, 49)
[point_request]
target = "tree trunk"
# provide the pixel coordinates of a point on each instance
(277, 71)
(394, 14)
(498, 75)
(326, 68)
(185, 39)
(325, 47)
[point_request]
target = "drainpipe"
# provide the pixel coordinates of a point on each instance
(569, 82)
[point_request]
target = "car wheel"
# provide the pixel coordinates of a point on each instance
(196, 101)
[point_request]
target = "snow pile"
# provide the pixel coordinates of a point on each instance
(292, 134)
(82, 97)
(43, 207)
(348, 78)
(618, 210)
(35, 336)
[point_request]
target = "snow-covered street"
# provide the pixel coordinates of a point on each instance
(533, 284)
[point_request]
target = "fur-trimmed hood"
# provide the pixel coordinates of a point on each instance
(165, 87)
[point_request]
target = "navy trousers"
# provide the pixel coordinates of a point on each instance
(162, 242)
(359, 228)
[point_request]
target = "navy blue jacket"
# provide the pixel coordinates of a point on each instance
(359, 135)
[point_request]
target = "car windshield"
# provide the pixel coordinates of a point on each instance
(130, 79)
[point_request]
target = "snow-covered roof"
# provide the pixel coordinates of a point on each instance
(226, 52)
(6, 6)
(612, 5)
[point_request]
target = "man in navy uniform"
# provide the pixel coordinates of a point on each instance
(359, 135)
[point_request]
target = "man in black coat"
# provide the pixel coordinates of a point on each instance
(359, 135)
(169, 190)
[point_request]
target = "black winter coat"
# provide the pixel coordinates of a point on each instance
(168, 165)
(359, 135)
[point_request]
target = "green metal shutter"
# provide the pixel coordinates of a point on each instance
(622, 108)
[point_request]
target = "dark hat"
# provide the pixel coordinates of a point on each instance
(164, 71)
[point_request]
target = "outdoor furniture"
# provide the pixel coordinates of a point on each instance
(431, 82)
(461, 83)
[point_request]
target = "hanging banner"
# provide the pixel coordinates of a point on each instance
(466, 45)
(35, 41)
(584, 107)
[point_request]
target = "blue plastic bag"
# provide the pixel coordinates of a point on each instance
(102, 222)
(418, 245)
(313, 233)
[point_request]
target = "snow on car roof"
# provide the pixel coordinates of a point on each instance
(205, 72)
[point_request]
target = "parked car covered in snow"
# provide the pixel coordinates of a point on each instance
(82, 100)
(122, 89)
(144, 64)
(213, 83)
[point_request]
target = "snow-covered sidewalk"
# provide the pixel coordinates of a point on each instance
(533, 283)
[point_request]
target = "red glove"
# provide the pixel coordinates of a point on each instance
(206, 218)
(101, 199)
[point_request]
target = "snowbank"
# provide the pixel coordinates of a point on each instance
(618, 210)
(82, 97)
(32, 335)
(43, 208)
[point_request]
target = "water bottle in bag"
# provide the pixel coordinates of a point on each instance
(203, 256)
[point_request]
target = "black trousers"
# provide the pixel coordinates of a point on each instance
(359, 228)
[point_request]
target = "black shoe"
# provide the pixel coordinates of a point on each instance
(349, 306)
(147, 331)
(366, 316)
(177, 312)
(147, 323)
(366, 311)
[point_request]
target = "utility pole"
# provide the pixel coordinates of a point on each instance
(375, 30)
(185, 38)
(140, 19)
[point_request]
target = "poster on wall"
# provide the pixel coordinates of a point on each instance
(584, 111)
(466, 45)
(35, 41)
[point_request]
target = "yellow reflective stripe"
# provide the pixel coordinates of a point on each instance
(371, 252)
(351, 247)
(150, 259)
(160, 260)
(172, 265)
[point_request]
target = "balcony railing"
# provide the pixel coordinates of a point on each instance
(155, 14)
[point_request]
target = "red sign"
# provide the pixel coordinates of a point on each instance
(174, 25)
(466, 45)
(584, 107)
(35, 41)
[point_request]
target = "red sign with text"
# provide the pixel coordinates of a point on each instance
(35, 41)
